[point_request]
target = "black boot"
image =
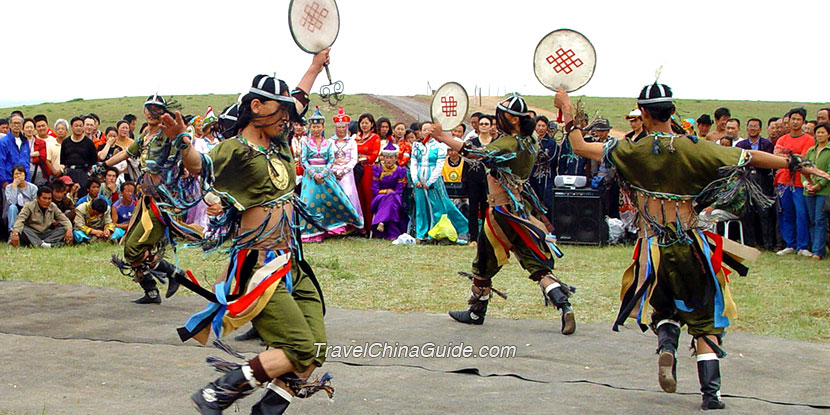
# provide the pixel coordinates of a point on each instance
(221, 393)
(559, 297)
(151, 293)
(251, 334)
(173, 274)
(708, 372)
(668, 334)
(475, 315)
(271, 403)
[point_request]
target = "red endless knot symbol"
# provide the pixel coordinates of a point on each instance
(448, 105)
(314, 16)
(564, 60)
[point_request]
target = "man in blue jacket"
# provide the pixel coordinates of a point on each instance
(14, 150)
(759, 223)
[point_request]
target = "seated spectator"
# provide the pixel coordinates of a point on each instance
(93, 191)
(16, 194)
(60, 188)
(41, 223)
(389, 220)
(725, 141)
(122, 210)
(93, 220)
(109, 190)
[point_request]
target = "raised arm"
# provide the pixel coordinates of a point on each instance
(320, 59)
(592, 151)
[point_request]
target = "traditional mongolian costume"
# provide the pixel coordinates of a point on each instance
(153, 224)
(432, 201)
(368, 148)
(345, 158)
(515, 220)
(387, 206)
(679, 268)
(326, 199)
(268, 281)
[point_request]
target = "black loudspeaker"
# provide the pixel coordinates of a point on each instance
(578, 217)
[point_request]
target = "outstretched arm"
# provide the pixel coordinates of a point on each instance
(764, 160)
(592, 151)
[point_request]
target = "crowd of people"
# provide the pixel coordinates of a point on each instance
(384, 179)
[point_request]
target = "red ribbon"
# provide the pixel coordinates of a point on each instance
(717, 255)
(246, 300)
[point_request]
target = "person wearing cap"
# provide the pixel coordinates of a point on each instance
(704, 124)
(321, 193)
(208, 139)
(676, 272)
(153, 223)
(515, 220)
(635, 120)
(253, 181)
(345, 158)
(388, 182)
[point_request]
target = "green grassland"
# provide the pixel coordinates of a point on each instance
(782, 296)
(112, 109)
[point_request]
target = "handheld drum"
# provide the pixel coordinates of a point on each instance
(449, 105)
(314, 26)
(564, 59)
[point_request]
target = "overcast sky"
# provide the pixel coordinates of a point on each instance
(58, 50)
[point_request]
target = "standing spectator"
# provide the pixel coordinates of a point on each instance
(61, 131)
(78, 154)
(809, 127)
(14, 149)
(93, 220)
(368, 148)
(38, 166)
(398, 132)
(773, 129)
(759, 223)
(733, 130)
(823, 116)
(473, 126)
(793, 219)
(321, 193)
(4, 126)
(544, 170)
(298, 135)
(722, 116)
(431, 199)
(16, 194)
(61, 199)
(635, 120)
(475, 179)
(130, 118)
(405, 147)
(345, 158)
(41, 224)
(47, 152)
(816, 193)
(209, 133)
(384, 131)
(704, 124)
(114, 145)
(122, 210)
(91, 131)
(388, 183)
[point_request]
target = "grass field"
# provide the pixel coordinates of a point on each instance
(785, 297)
(111, 110)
